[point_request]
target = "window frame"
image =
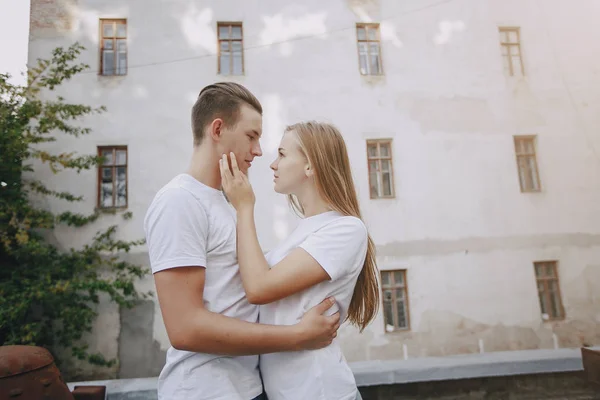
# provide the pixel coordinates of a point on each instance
(114, 167)
(114, 21)
(378, 159)
(509, 45)
(230, 24)
(393, 286)
(369, 26)
(524, 155)
(545, 280)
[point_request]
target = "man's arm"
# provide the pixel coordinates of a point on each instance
(191, 327)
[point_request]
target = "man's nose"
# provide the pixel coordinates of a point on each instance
(257, 150)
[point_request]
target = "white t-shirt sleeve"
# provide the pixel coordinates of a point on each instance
(176, 231)
(338, 245)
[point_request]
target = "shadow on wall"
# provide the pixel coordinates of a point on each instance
(140, 354)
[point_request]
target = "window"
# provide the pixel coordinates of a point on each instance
(369, 49)
(112, 177)
(395, 300)
(113, 48)
(529, 178)
(510, 42)
(231, 53)
(381, 179)
(546, 275)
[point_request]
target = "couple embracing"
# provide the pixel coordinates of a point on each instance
(244, 325)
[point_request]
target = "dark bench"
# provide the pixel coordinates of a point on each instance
(29, 373)
(591, 366)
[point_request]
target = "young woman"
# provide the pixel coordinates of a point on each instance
(329, 254)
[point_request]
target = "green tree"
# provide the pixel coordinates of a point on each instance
(48, 296)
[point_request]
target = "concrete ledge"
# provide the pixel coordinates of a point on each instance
(467, 366)
(371, 373)
(125, 389)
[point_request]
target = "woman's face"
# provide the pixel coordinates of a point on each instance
(291, 166)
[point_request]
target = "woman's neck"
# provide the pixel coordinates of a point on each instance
(312, 203)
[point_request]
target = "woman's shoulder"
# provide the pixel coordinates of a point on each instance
(349, 223)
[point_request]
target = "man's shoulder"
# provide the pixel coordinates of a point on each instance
(173, 195)
(176, 198)
(182, 190)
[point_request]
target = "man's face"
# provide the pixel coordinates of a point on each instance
(243, 138)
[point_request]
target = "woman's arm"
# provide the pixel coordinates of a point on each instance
(296, 272)
(324, 255)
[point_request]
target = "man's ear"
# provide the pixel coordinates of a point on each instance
(215, 129)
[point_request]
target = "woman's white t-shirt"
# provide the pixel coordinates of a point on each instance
(339, 244)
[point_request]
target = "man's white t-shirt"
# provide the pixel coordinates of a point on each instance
(191, 224)
(339, 244)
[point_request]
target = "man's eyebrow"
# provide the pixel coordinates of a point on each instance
(256, 133)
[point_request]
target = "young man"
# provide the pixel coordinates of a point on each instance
(191, 236)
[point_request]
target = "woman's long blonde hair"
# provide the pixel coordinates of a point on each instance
(325, 149)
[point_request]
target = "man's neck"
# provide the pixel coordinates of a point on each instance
(204, 167)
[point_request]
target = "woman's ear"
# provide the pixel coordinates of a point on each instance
(308, 171)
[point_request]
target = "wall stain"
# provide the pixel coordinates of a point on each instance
(446, 333)
(456, 114)
(484, 245)
(51, 17)
(365, 10)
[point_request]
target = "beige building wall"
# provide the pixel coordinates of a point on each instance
(459, 224)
